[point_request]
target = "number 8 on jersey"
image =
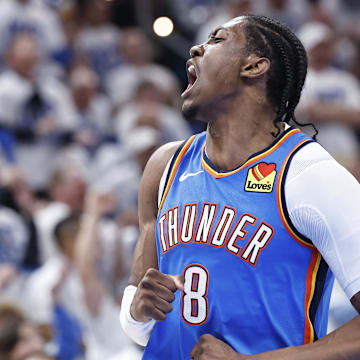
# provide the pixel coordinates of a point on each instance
(194, 304)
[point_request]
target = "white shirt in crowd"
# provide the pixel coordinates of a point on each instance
(172, 125)
(15, 91)
(122, 82)
(39, 307)
(338, 87)
(35, 17)
(101, 44)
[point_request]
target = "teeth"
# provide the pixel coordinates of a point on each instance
(192, 70)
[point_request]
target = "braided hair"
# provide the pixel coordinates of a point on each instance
(268, 38)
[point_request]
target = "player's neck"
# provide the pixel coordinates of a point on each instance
(238, 133)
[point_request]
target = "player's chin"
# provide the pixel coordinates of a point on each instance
(189, 110)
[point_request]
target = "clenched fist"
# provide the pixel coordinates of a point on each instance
(210, 348)
(154, 295)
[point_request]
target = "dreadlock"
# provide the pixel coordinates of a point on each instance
(268, 38)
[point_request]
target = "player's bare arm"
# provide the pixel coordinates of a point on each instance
(155, 291)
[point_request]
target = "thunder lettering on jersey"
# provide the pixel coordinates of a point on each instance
(251, 279)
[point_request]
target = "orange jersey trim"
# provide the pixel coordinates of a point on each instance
(280, 204)
(175, 167)
(249, 162)
(309, 332)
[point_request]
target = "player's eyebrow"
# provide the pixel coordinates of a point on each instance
(213, 33)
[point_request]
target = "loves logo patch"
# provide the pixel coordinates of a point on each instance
(261, 178)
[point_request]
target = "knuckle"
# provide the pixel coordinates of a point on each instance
(202, 337)
(146, 283)
(151, 272)
(203, 340)
(206, 337)
(167, 296)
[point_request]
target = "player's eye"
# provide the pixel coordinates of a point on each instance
(216, 39)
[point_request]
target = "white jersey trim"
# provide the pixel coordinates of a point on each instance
(163, 181)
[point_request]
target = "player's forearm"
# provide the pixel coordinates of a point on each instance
(342, 344)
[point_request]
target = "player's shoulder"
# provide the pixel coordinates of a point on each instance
(163, 154)
(313, 152)
(157, 164)
(312, 157)
(149, 186)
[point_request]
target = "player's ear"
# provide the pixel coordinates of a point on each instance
(255, 67)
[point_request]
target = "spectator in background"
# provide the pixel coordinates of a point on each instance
(138, 53)
(89, 110)
(292, 13)
(52, 292)
(228, 10)
(7, 148)
(142, 141)
(121, 167)
(148, 108)
(36, 19)
(39, 357)
(89, 268)
(14, 239)
(92, 258)
(345, 13)
(354, 65)
(18, 234)
(319, 12)
(18, 337)
(67, 189)
(331, 97)
(99, 39)
(31, 106)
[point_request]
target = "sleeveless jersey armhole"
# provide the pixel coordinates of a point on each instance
(170, 168)
(164, 180)
(284, 214)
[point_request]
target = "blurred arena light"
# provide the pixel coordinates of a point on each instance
(163, 26)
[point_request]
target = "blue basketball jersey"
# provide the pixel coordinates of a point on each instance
(251, 279)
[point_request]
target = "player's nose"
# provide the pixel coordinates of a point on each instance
(197, 50)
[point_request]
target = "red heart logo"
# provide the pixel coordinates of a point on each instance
(266, 169)
(262, 170)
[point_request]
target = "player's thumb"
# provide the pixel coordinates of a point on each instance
(179, 281)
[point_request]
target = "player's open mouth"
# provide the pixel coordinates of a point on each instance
(192, 78)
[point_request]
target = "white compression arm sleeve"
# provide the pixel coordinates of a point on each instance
(137, 331)
(323, 201)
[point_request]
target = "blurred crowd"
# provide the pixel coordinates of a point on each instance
(85, 98)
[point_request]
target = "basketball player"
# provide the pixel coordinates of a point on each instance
(234, 257)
